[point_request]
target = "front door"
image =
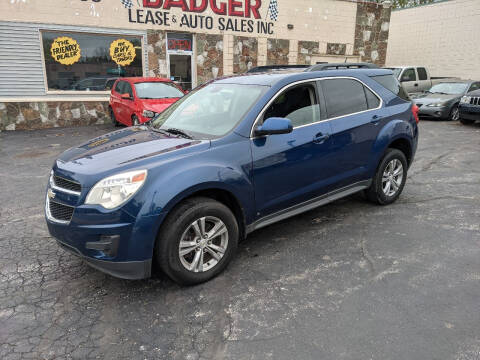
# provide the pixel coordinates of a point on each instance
(289, 169)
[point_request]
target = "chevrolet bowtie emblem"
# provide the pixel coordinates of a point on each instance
(51, 194)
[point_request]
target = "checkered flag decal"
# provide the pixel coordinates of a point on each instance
(128, 4)
(273, 8)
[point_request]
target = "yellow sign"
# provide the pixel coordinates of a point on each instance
(122, 52)
(65, 50)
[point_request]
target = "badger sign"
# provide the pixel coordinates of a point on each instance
(122, 52)
(65, 50)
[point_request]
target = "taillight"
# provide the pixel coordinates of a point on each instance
(415, 113)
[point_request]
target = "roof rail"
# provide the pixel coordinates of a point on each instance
(340, 66)
(267, 68)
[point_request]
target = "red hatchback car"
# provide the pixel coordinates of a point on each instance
(136, 100)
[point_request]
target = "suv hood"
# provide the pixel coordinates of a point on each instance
(117, 150)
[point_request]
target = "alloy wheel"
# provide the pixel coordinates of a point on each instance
(392, 177)
(203, 244)
(455, 114)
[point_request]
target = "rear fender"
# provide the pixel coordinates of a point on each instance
(394, 130)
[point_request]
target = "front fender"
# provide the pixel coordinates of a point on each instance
(392, 131)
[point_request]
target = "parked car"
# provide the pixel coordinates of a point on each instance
(415, 79)
(136, 100)
(94, 84)
(442, 100)
(470, 107)
(232, 156)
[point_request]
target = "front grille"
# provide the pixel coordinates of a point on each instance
(475, 101)
(59, 211)
(66, 184)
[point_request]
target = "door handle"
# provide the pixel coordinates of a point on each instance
(320, 138)
(415, 84)
(376, 119)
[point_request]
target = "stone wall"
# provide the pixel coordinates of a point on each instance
(305, 51)
(371, 32)
(209, 57)
(336, 49)
(245, 54)
(277, 51)
(157, 53)
(42, 115)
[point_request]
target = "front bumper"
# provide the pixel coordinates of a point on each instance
(429, 112)
(118, 242)
(131, 270)
(469, 112)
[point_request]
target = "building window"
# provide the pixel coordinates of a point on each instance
(89, 62)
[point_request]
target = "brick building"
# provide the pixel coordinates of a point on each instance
(59, 58)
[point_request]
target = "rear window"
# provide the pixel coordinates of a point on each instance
(422, 74)
(389, 82)
(344, 96)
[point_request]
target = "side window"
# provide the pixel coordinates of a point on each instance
(127, 89)
(422, 73)
(409, 75)
(298, 104)
(372, 100)
(344, 96)
(474, 86)
(119, 87)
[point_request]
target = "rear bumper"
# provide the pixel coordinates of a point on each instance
(132, 270)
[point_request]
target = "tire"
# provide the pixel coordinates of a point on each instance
(466, 121)
(135, 121)
(454, 113)
(114, 119)
(379, 192)
(179, 230)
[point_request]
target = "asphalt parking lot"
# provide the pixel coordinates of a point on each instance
(350, 280)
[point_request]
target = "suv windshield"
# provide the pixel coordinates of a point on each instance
(157, 90)
(211, 110)
(449, 88)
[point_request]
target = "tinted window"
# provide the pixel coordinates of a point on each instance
(119, 87)
(409, 75)
(344, 96)
(389, 82)
(299, 105)
(422, 74)
(127, 89)
(475, 86)
(372, 100)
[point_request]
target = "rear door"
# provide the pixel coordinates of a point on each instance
(356, 115)
(409, 80)
(424, 83)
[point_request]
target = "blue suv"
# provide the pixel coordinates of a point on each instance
(234, 155)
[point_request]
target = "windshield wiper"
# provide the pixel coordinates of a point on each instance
(175, 131)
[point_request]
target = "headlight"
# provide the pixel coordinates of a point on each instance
(148, 113)
(465, 99)
(436, 105)
(115, 190)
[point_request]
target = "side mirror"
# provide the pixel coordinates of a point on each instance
(274, 125)
(126, 97)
